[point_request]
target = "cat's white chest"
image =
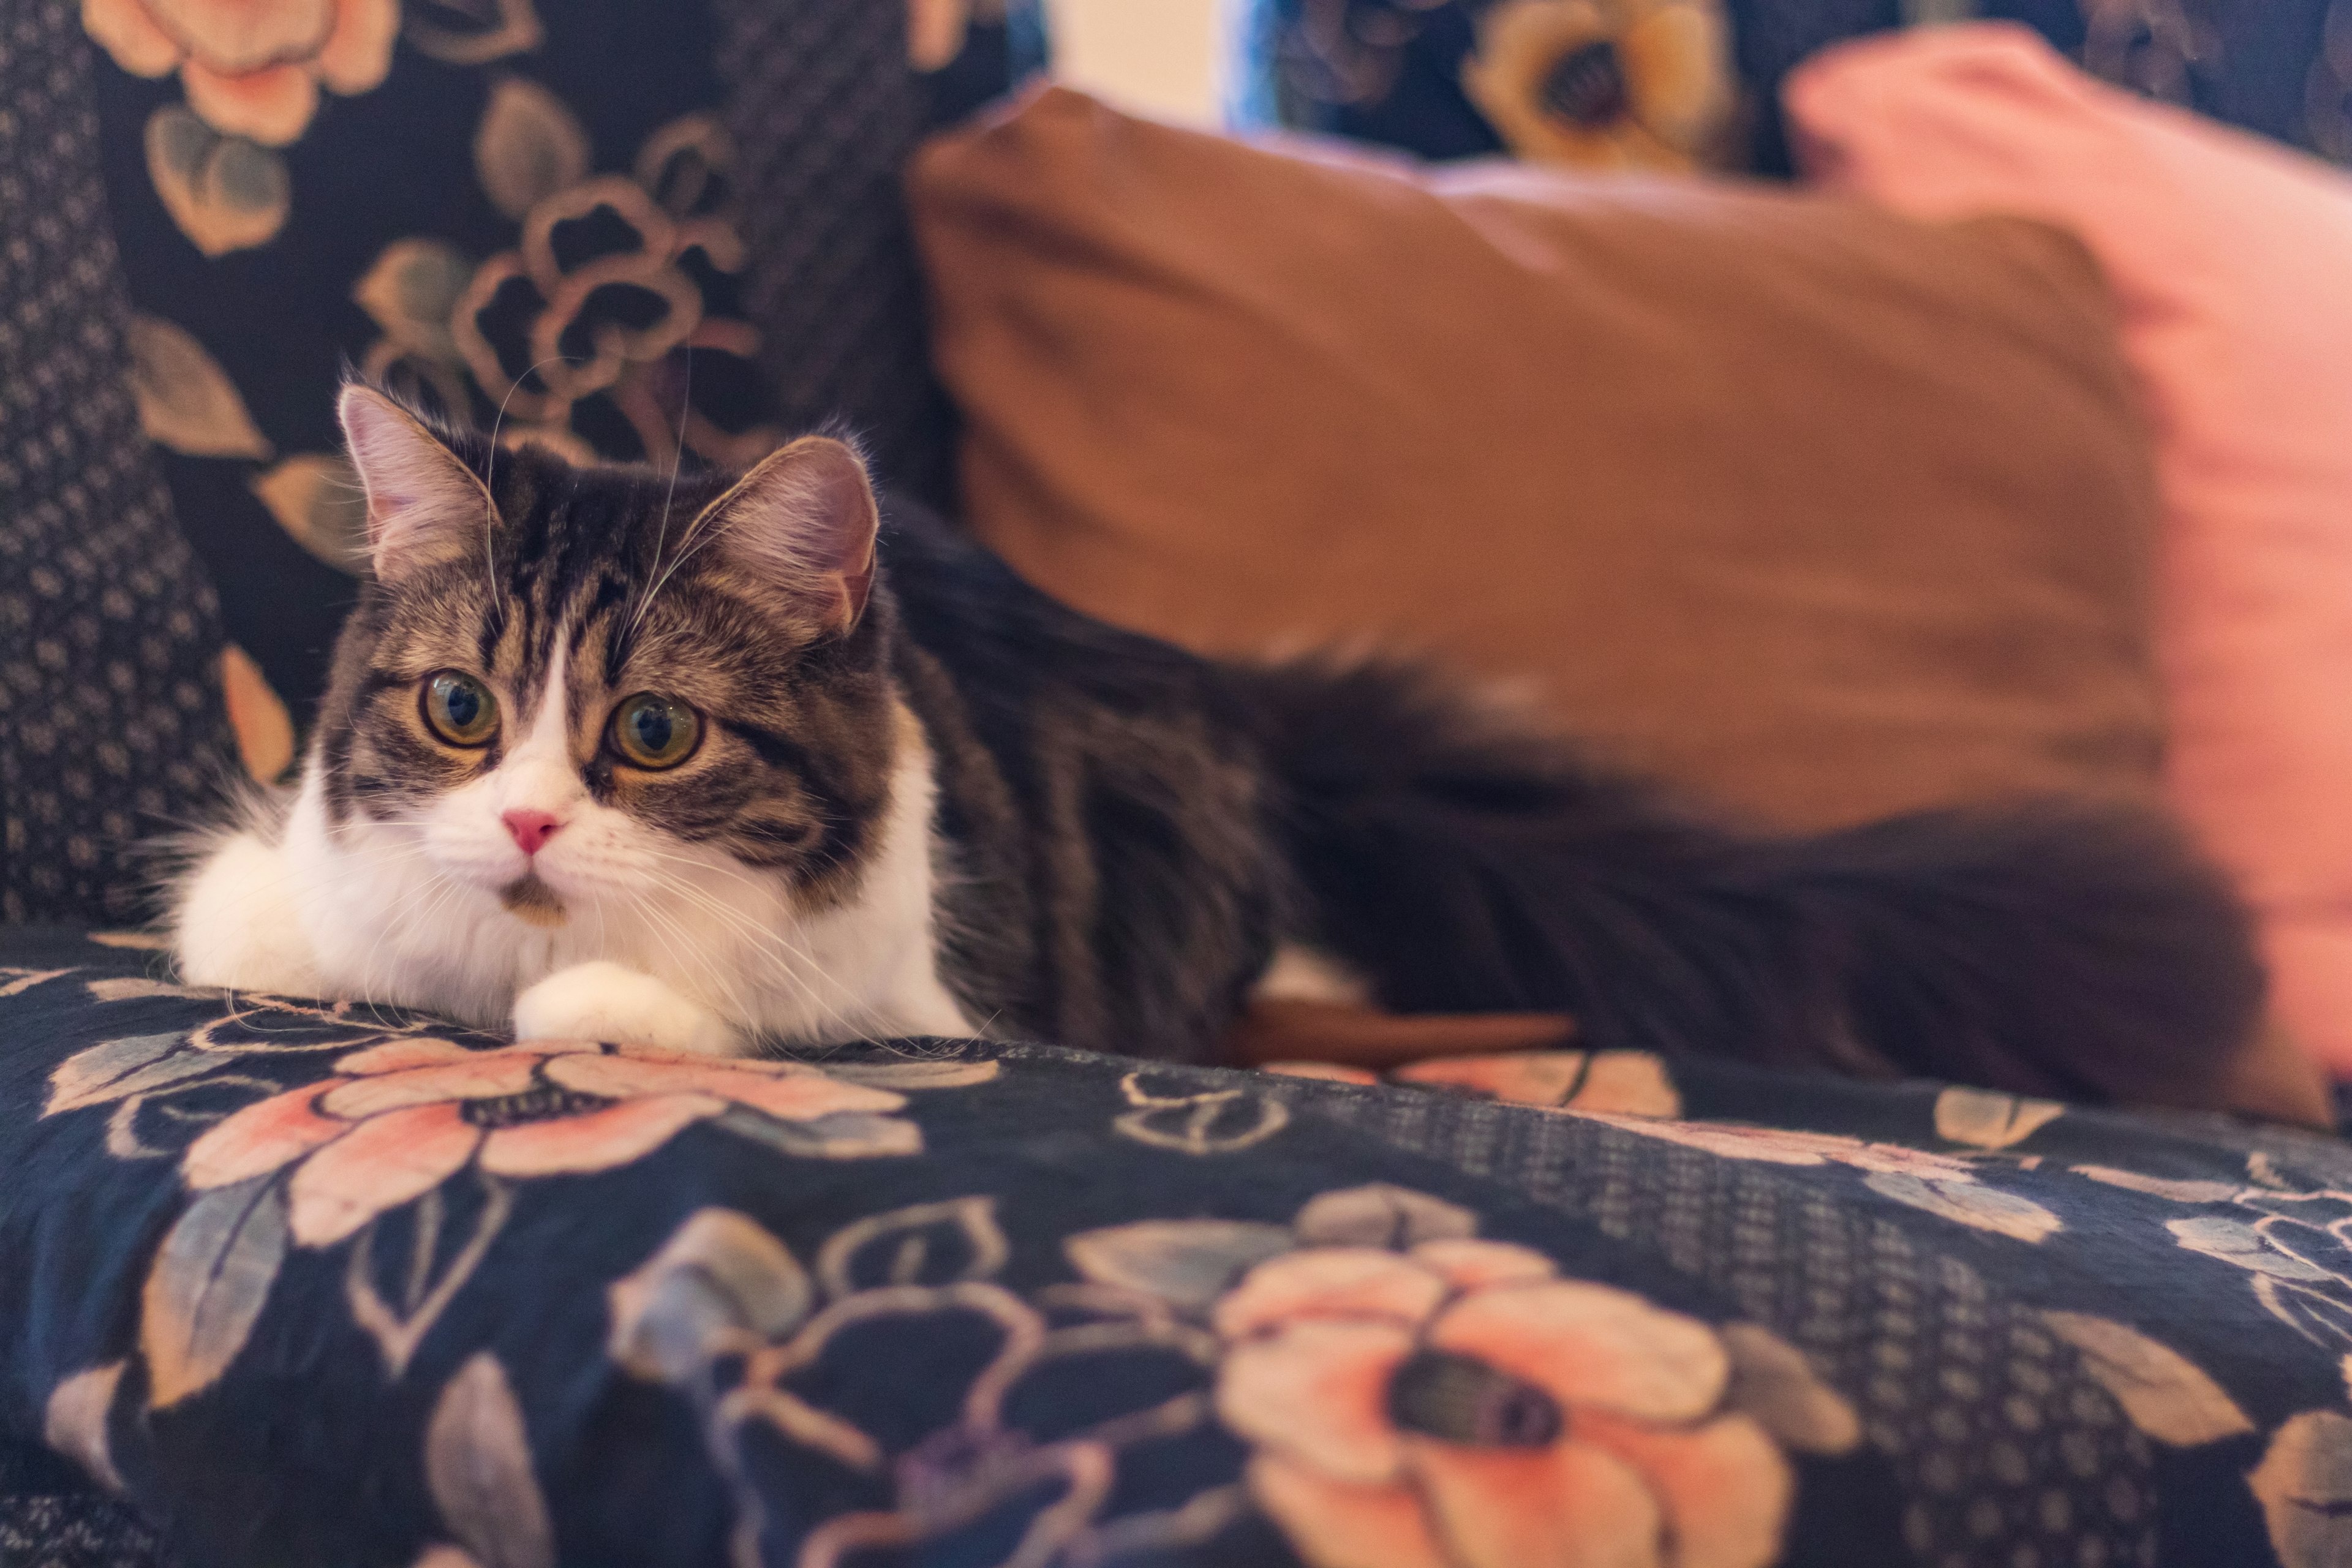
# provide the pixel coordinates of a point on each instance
(717, 961)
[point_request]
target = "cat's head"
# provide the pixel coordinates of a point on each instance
(572, 687)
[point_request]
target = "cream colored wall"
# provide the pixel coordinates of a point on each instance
(1160, 58)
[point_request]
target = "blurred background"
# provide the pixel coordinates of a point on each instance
(1161, 57)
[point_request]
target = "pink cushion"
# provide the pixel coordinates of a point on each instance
(2233, 261)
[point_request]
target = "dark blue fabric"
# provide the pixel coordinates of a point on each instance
(939, 1301)
(646, 147)
(1389, 70)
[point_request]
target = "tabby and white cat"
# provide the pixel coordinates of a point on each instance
(727, 765)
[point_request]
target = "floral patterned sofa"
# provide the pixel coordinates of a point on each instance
(312, 1284)
(291, 1283)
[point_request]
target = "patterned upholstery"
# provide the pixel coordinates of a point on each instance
(372, 1290)
(110, 720)
(1400, 71)
(661, 234)
(51, 1517)
(834, 277)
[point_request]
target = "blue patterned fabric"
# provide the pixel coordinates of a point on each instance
(1392, 71)
(659, 233)
(330, 1285)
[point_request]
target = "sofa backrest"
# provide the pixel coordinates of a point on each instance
(111, 723)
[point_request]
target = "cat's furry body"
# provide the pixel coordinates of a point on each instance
(927, 800)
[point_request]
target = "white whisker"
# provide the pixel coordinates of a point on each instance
(491, 475)
(677, 461)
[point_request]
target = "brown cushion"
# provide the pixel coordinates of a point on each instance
(1821, 512)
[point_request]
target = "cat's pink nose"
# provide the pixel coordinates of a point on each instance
(530, 828)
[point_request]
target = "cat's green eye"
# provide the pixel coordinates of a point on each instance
(654, 732)
(459, 709)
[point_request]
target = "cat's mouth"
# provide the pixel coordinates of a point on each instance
(533, 902)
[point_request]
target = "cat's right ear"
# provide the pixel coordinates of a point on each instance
(425, 506)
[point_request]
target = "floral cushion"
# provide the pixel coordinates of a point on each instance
(532, 217)
(370, 1289)
(1672, 84)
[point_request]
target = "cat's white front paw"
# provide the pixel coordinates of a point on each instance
(621, 1006)
(238, 926)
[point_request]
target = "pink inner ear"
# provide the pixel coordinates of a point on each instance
(423, 504)
(804, 521)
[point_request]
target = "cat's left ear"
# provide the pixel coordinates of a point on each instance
(802, 524)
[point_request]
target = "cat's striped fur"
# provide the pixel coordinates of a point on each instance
(928, 799)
